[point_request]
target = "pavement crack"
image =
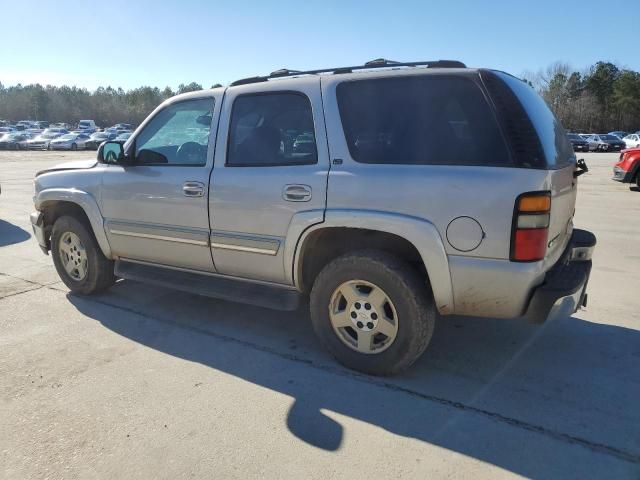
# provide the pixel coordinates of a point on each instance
(37, 286)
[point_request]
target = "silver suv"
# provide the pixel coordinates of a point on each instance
(390, 193)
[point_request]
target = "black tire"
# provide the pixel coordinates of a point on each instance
(408, 291)
(99, 276)
(74, 147)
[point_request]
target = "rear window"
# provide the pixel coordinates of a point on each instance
(420, 120)
(558, 151)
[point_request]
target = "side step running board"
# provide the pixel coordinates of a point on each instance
(269, 296)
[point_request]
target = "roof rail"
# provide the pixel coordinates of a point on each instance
(377, 63)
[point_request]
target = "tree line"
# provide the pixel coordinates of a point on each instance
(601, 98)
(107, 106)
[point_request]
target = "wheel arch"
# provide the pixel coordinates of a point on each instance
(55, 203)
(414, 239)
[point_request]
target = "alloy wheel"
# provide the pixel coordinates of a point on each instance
(363, 316)
(73, 256)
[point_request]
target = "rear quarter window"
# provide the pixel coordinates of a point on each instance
(420, 120)
(557, 148)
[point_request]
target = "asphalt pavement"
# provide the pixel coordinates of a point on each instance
(144, 382)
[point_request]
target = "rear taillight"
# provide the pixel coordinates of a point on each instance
(530, 227)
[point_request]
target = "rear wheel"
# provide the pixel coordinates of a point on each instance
(373, 312)
(74, 146)
(78, 259)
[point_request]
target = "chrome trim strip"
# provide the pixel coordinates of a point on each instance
(159, 237)
(241, 248)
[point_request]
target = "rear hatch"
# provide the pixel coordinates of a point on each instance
(538, 141)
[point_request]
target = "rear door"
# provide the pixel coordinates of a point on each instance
(270, 176)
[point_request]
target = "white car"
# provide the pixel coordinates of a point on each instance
(42, 141)
(632, 140)
(70, 141)
(87, 125)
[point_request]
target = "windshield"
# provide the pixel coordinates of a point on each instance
(609, 137)
(573, 136)
(67, 137)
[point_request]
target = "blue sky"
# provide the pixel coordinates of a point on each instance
(133, 43)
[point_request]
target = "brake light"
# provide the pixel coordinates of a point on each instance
(530, 227)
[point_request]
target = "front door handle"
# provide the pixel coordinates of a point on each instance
(193, 189)
(297, 193)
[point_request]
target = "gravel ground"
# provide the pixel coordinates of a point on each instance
(143, 382)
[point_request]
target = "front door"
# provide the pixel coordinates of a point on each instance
(156, 208)
(270, 177)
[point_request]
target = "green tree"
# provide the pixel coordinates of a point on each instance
(192, 87)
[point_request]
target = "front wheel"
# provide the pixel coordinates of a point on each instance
(78, 259)
(373, 312)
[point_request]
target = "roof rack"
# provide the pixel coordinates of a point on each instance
(371, 64)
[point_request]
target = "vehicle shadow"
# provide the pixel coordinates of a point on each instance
(10, 234)
(551, 401)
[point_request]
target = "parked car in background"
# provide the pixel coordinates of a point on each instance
(579, 144)
(7, 130)
(61, 125)
(70, 141)
(305, 143)
(11, 141)
(627, 168)
(97, 138)
(615, 143)
(619, 134)
(604, 143)
(123, 126)
(87, 125)
(22, 144)
(56, 130)
(42, 141)
(42, 124)
(595, 144)
(24, 124)
(632, 140)
(123, 137)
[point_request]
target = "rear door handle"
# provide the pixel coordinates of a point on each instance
(193, 189)
(297, 193)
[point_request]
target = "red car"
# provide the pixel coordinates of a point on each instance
(627, 170)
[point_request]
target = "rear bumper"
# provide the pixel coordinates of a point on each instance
(564, 289)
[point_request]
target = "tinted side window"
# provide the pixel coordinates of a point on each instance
(557, 148)
(177, 135)
(421, 120)
(271, 129)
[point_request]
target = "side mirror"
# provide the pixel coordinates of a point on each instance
(111, 152)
